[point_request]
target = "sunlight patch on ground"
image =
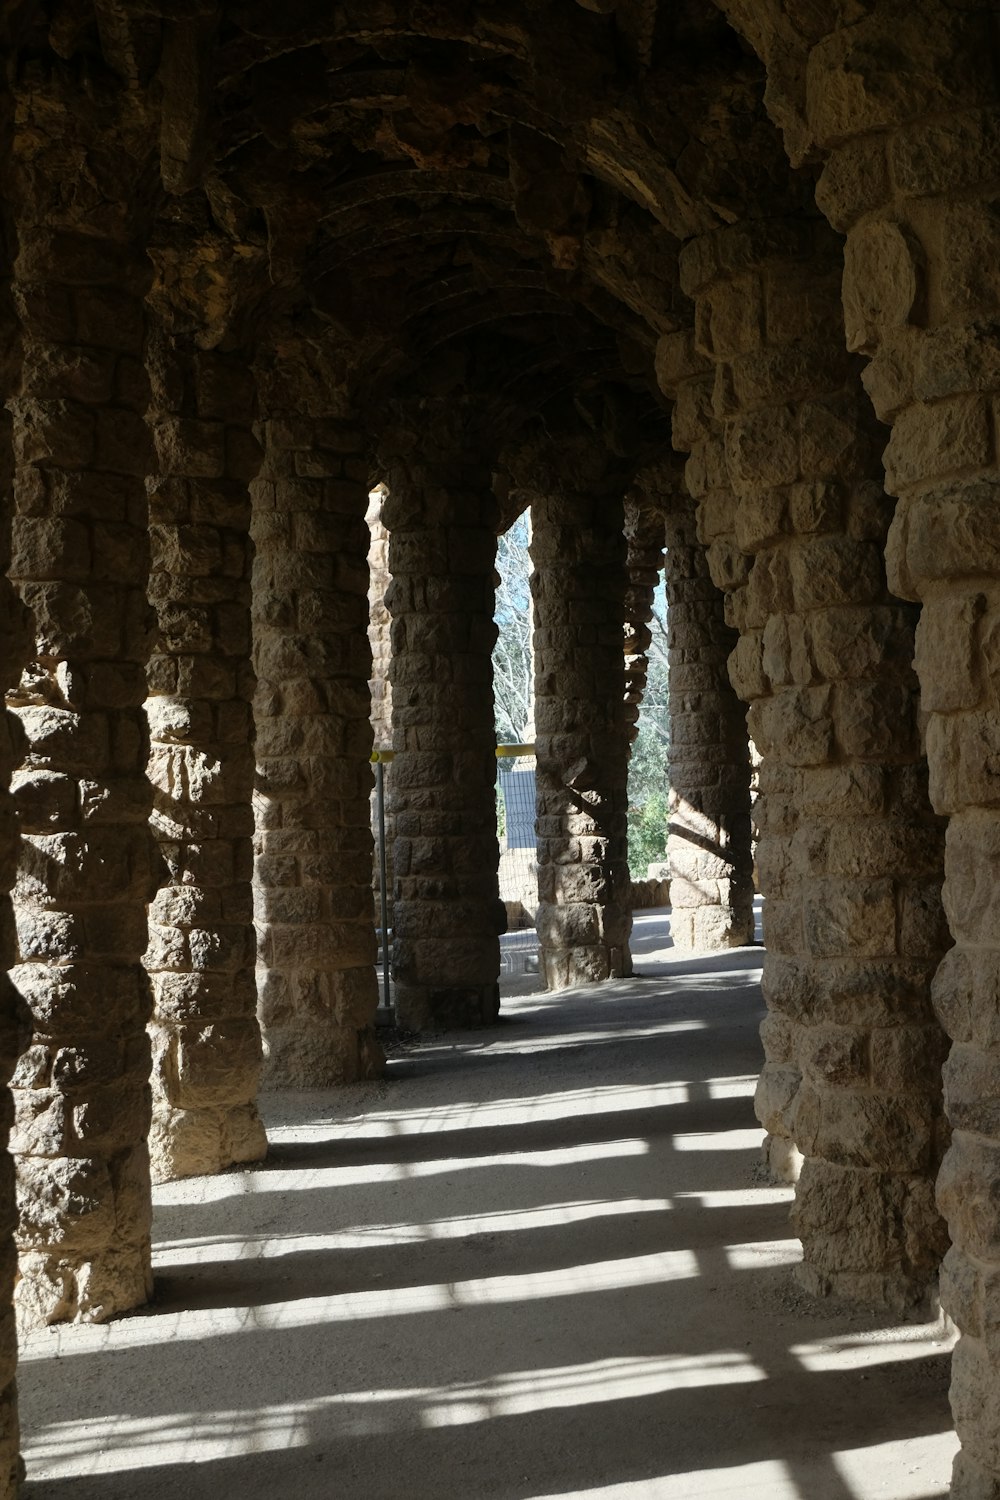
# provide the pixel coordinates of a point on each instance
(194, 1325)
(364, 1237)
(199, 1437)
(911, 1467)
(302, 1180)
(737, 1197)
(532, 1046)
(849, 1352)
(719, 1140)
(763, 1481)
(564, 1104)
(761, 1253)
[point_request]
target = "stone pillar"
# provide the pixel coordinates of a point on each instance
(708, 845)
(80, 561)
(785, 465)
(16, 647)
(910, 178)
(206, 1042)
(313, 896)
(441, 515)
(581, 723)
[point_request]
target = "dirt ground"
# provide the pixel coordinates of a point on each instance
(535, 1261)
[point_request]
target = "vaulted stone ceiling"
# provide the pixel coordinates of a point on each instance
(451, 195)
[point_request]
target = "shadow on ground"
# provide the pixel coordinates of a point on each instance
(535, 1261)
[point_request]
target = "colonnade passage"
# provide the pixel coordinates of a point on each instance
(717, 277)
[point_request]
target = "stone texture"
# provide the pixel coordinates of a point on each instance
(13, 1019)
(79, 561)
(441, 515)
(494, 203)
(206, 1040)
(582, 723)
(708, 845)
(784, 465)
(313, 901)
(921, 299)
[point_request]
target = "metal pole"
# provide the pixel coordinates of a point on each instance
(380, 793)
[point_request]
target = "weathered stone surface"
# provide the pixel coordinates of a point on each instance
(312, 885)
(920, 296)
(578, 586)
(441, 516)
(496, 202)
(206, 1044)
(87, 866)
(849, 853)
(708, 846)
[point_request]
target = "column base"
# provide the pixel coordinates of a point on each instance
(199, 1143)
(446, 1008)
(969, 1481)
(316, 1061)
(782, 1159)
(588, 965)
(710, 929)
(57, 1289)
(884, 1291)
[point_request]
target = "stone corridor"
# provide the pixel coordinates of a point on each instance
(302, 306)
(539, 1261)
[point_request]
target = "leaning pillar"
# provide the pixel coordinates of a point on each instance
(578, 552)
(313, 890)
(709, 851)
(206, 1041)
(80, 562)
(910, 180)
(441, 514)
(791, 506)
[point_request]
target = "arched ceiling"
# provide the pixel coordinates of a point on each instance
(477, 195)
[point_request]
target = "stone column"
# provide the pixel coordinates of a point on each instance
(708, 845)
(581, 722)
(441, 515)
(206, 1041)
(80, 561)
(910, 178)
(316, 949)
(785, 465)
(16, 646)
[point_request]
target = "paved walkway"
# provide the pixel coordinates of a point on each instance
(536, 1261)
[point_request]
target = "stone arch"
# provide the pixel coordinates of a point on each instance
(514, 209)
